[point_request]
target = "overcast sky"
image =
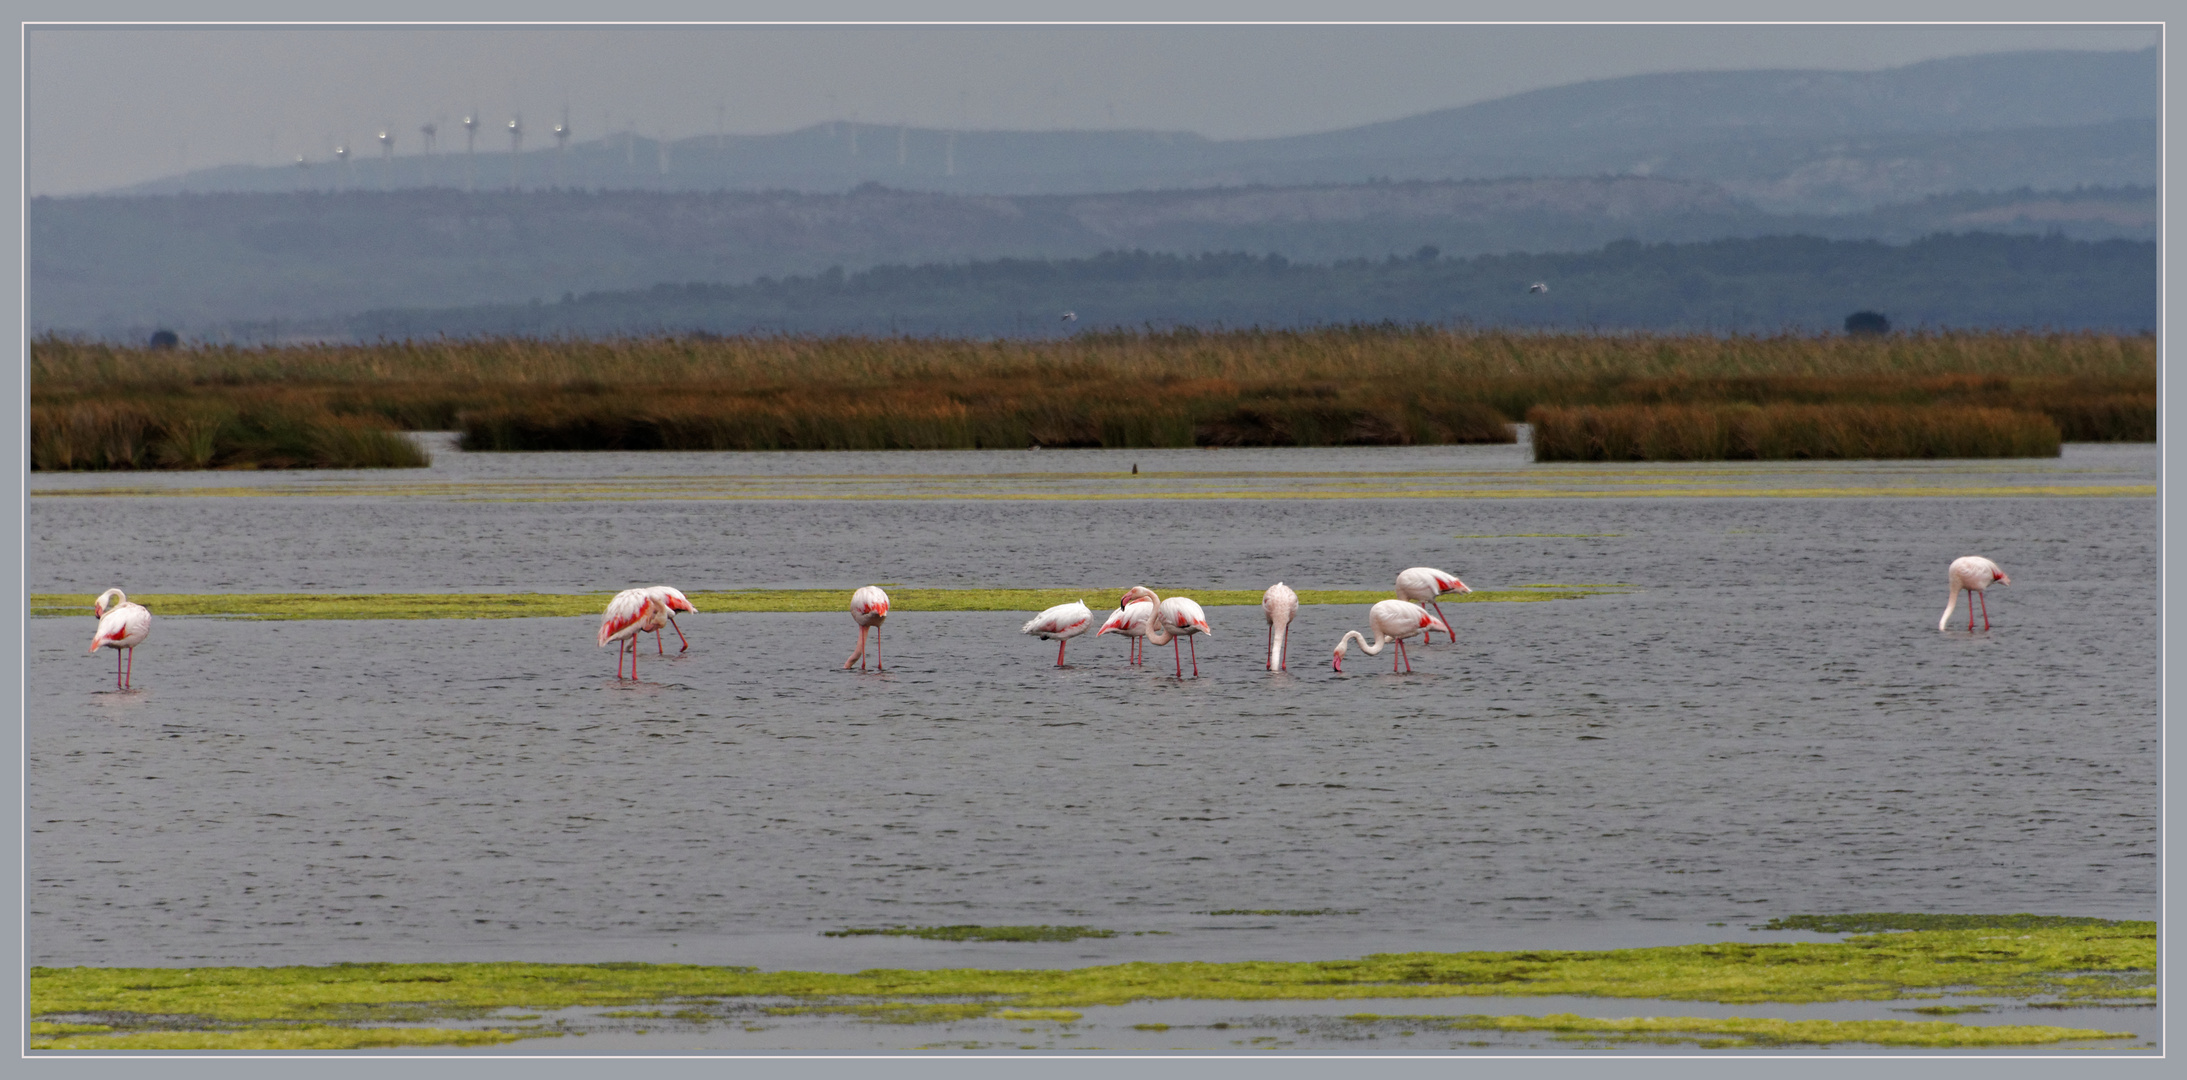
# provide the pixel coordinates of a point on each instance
(108, 107)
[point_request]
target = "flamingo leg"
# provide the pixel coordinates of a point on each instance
(658, 648)
(679, 635)
(1970, 611)
(1429, 637)
(876, 651)
(1985, 609)
(1195, 643)
(1180, 657)
(129, 667)
(1401, 655)
(1271, 646)
(1060, 643)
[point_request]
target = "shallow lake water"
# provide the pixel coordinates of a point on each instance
(1765, 722)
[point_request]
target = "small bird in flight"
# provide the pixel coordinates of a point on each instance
(1070, 316)
(1539, 286)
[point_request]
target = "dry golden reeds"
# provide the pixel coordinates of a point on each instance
(1787, 432)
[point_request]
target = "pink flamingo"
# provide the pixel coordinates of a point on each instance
(631, 613)
(1060, 624)
(1174, 618)
(869, 609)
(122, 627)
(1972, 575)
(1279, 604)
(672, 602)
(1131, 621)
(1392, 620)
(1422, 585)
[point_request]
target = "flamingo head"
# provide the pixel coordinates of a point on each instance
(1450, 585)
(672, 599)
(1336, 659)
(2000, 577)
(107, 599)
(1135, 593)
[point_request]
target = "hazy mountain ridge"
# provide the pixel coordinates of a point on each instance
(1795, 141)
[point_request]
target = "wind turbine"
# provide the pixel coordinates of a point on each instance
(341, 155)
(429, 129)
(303, 173)
(516, 147)
(561, 142)
(387, 156)
(470, 148)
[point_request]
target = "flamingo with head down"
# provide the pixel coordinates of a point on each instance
(1392, 620)
(1422, 585)
(1279, 604)
(630, 613)
(123, 625)
(1972, 575)
(869, 609)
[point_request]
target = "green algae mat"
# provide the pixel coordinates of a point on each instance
(536, 605)
(2083, 962)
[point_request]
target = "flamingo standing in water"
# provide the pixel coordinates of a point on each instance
(632, 612)
(869, 609)
(122, 627)
(1422, 585)
(1279, 604)
(1972, 575)
(1392, 620)
(672, 601)
(1060, 624)
(1131, 621)
(1174, 618)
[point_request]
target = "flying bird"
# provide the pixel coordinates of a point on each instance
(1538, 287)
(632, 612)
(1392, 620)
(1070, 316)
(869, 609)
(122, 626)
(1422, 585)
(1279, 604)
(1972, 575)
(672, 601)
(1060, 624)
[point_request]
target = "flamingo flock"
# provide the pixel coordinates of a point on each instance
(1140, 615)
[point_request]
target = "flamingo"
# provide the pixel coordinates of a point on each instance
(1972, 574)
(631, 613)
(869, 609)
(1279, 604)
(122, 627)
(1422, 585)
(1130, 621)
(1060, 623)
(1392, 620)
(1176, 617)
(672, 601)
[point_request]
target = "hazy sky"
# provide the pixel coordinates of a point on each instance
(112, 106)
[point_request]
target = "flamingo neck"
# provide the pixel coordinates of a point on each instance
(1380, 640)
(1278, 634)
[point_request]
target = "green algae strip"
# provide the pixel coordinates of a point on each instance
(2088, 964)
(300, 1037)
(537, 605)
(1745, 1031)
(976, 933)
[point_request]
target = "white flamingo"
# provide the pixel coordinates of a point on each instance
(1174, 618)
(869, 609)
(1422, 585)
(1131, 621)
(1060, 624)
(632, 612)
(1392, 620)
(672, 601)
(1971, 574)
(1279, 604)
(123, 625)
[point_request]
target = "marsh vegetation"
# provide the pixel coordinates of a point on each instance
(102, 406)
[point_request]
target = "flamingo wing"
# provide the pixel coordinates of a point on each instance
(626, 613)
(869, 604)
(1279, 603)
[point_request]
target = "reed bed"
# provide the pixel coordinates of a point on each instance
(1741, 432)
(167, 433)
(1336, 386)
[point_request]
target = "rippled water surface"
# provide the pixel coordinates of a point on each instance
(1767, 722)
